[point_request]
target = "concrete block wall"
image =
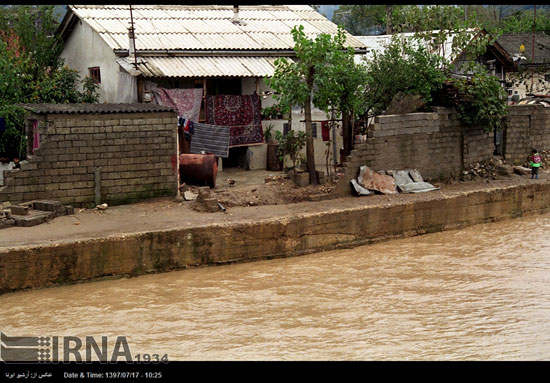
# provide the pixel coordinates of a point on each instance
(434, 143)
(528, 127)
(478, 145)
(132, 153)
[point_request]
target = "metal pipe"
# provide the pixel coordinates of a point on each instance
(133, 36)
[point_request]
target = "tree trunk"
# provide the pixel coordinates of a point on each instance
(346, 133)
(389, 29)
(310, 153)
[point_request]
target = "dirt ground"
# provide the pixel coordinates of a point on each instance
(249, 199)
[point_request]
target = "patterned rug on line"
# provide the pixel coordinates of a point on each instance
(187, 102)
(241, 113)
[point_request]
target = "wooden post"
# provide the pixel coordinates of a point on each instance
(97, 185)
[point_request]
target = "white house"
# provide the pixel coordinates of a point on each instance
(496, 59)
(222, 49)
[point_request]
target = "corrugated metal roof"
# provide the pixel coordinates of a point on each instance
(205, 27)
(95, 108)
(206, 66)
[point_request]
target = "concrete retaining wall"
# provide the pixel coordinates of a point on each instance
(123, 255)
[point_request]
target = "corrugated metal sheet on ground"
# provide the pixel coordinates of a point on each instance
(211, 66)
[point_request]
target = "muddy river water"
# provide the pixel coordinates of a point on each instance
(481, 293)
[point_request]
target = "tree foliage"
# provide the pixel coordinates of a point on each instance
(295, 82)
(362, 19)
(291, 144)
(497, 19)
(402, 67)
(32, 71)
(340, 86)
(481, 101)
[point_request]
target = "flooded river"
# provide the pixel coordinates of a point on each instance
(481, 293)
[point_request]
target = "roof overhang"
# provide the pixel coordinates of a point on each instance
(199, 66)
(496, 49)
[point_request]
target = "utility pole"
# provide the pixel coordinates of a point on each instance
(389, 29)
(533, 47)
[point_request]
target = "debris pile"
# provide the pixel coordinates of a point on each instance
(532, 99)
(32, 213)
(490, 169)
(390, 182)
(545, 157)
(206, 201)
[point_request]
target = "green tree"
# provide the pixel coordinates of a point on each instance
(403, 67)
(481, 100)
(295, 82)
(367, 19)
(341, 87)
(32, 71)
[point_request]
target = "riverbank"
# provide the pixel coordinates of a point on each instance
(162, 235)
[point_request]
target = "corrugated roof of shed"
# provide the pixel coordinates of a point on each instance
(95, 108)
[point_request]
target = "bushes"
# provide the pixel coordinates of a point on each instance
(31, 71)
(481, 101)
(402, 67)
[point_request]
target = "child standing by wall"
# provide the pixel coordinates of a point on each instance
(534, 162)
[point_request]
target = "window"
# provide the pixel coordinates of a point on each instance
(95, 74)
(314, 129)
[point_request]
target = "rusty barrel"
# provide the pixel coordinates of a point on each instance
(199, 169)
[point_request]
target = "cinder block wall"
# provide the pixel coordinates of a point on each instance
(133, 152)
(433, 143)
(528, 126)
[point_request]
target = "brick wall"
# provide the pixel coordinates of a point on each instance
(130, 154)
(434, 143)
(528, 127)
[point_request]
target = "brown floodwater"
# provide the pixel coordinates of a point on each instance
(481, 293)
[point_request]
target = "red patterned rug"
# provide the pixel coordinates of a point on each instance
(241, 113)
(187, 102)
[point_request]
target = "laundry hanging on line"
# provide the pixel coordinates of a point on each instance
(187, 102)
(207, 138)
(187, 127)
(240, 112)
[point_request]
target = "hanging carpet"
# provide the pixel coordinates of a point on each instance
(241, 113)
(187, 102)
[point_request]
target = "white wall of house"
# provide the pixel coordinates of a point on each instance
(259, 161)
(529, 81)
(83, 49)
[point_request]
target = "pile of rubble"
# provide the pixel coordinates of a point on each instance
(489, 169)
(545, 156)
(496, 168)
(32, 213)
